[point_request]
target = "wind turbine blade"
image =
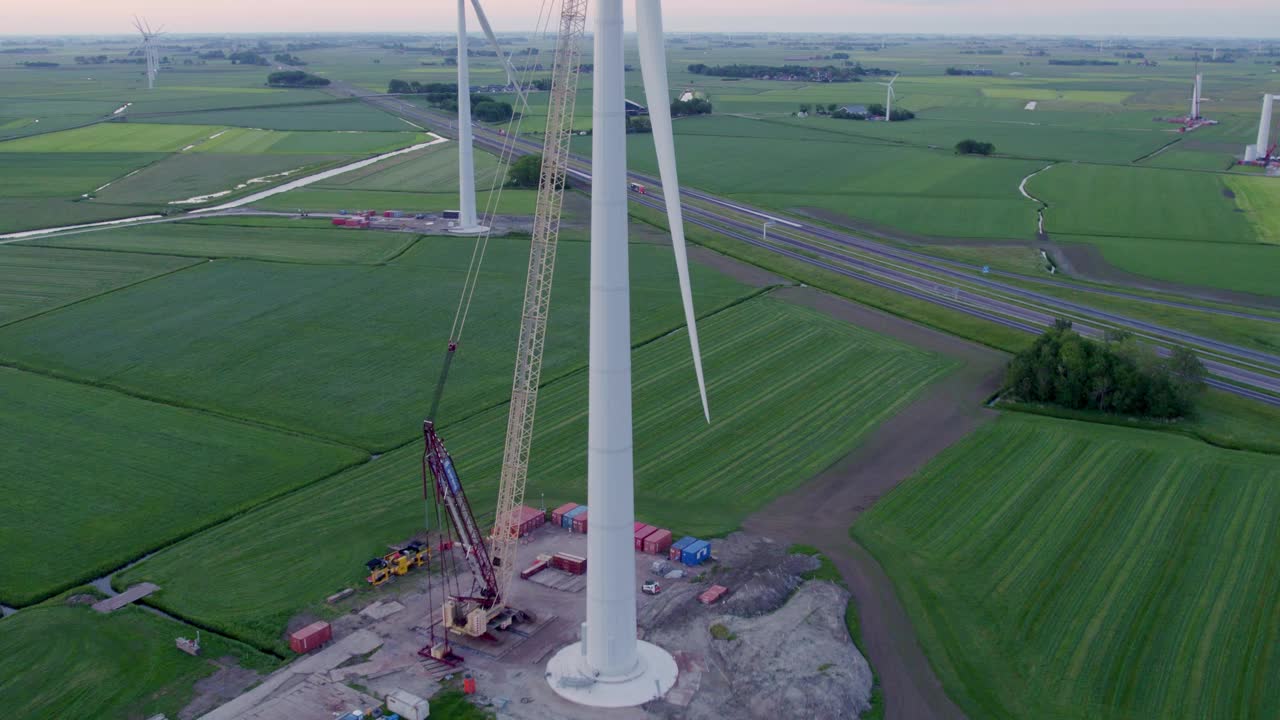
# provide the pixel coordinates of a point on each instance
(653, 66)
(506, 60)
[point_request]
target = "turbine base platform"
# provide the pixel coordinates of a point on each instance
(468, 230)
(654, 675)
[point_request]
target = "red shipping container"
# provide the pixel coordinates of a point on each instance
(569, 563)
(557, 515)
(339, 221)
(311, 637)
(713, 593)
(533, 569)
(580, 522)
(658, 542)
(642, 532)
(469, 686)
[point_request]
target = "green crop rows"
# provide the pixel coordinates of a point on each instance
(770, 365)
(315, 348)
(300, 241)
(34, 281)
(64, 662)
(1069, 570)
(98, 479)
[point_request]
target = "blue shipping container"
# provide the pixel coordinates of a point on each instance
(696, 553)
(684, 542)
(567, 521)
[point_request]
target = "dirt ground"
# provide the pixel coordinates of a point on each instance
(948, 411)
(776, 621)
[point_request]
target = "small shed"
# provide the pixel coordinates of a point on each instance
(658, 542)
(642, 531)
(696, 553)
(566, 520)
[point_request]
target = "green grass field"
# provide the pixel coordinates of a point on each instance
(186, 180)
(770, 365)
(1231, 266)
(35, 280)
(344, 352)
(913, 189)
(117, 137)
(341, 115)
(1070, 570)
(1140, 203)
(104, 478)
(1260, 200)
(300, 241)
(65, 662)
(254, 141)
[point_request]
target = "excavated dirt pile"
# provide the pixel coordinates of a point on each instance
(777, 646)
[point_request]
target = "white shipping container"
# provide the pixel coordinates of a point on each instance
(408, 706)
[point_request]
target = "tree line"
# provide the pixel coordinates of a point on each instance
(1117, 376)
(485, 108)
(975, 147)
(829, 73)
(296, 79)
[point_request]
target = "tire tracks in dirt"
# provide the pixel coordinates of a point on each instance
(821, 512)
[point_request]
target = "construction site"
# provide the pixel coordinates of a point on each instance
(563, 613)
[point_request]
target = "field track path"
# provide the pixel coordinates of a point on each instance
(821, 512)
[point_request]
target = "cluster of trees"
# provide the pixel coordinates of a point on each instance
(983, 51)
(1116, 376)
(296, 78)
(639, 124)
(829, 73)
(975, 147)
(38, 64)
(212, 55)
(525, 172)
(694, 106)
(247, 57)
(91, 59)
(873, 110)
(485, 108)
(287, 59)
(968, 71)
(1080, 61)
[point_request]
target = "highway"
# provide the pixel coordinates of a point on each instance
(1243, 371)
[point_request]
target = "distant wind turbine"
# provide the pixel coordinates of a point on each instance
(888, 100)
(149, 50)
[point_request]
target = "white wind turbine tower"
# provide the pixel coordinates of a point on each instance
(888, 100)
(468, 221)
(610, 666)
(149, 50)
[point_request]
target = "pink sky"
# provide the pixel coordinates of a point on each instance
(1245, 18)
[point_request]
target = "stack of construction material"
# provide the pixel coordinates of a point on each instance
(534, 569)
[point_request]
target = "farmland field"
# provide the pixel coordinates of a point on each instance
(314, 242)
(63, 662)
(158, 473)
(116, 137)
(689, 476)
(918, 190)
(34, 280)
(328, 116)
(191, 179)
(1141, 203)
(316, 348)
(1245, 267)
(1070, 570)
(1260, 200)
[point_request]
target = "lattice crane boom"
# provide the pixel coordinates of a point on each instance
(537, 296)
